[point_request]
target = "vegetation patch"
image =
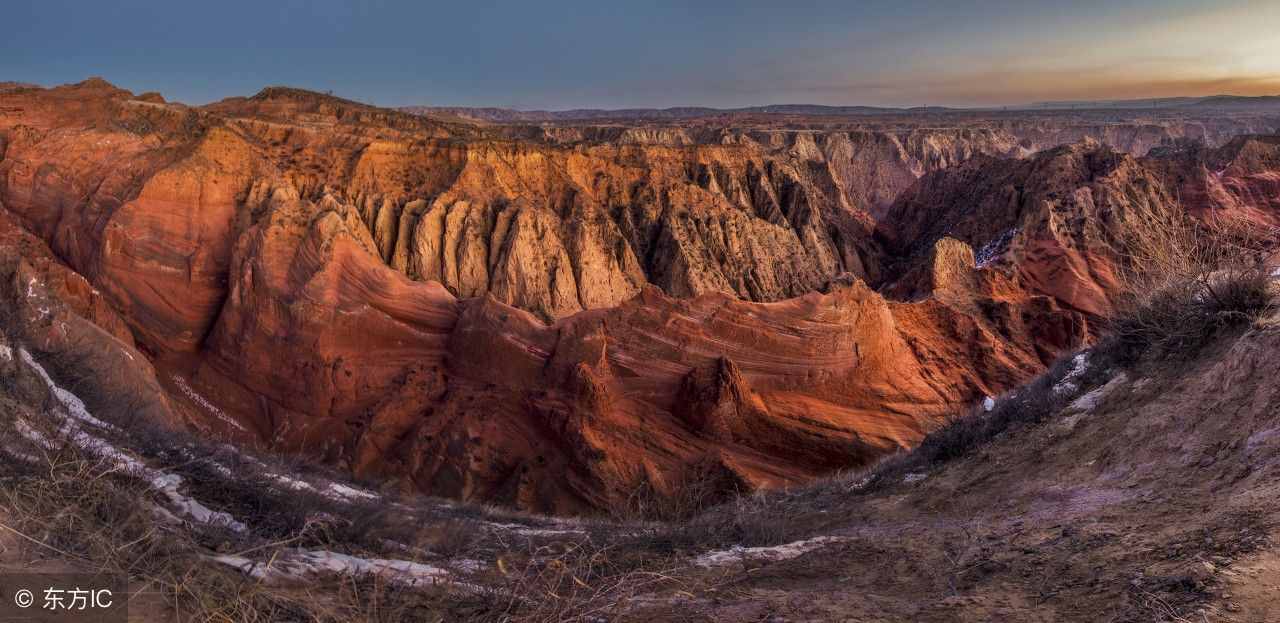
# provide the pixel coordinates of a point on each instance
(1187, 282)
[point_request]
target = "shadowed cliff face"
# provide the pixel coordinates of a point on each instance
(547, 319)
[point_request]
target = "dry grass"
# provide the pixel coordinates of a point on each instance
(703, 485)
(1187, 281)
(77, 508)
(583, 580)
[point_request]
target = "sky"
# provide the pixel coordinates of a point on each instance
(558, 54)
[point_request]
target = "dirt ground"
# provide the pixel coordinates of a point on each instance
(1156, 504)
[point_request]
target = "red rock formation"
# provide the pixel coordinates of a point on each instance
(1056, 221)
(474, 314)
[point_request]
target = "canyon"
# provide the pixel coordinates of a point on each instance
(565, 315)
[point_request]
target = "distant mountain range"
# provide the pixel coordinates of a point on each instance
(508, 115)
(1212, 101)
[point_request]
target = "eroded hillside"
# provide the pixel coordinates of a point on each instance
(559, 318)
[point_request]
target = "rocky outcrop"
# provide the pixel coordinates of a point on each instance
(1057, 222)
(1241, 179)
(1061, 223)
(52, 312)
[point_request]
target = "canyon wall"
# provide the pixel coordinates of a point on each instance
(559, 324)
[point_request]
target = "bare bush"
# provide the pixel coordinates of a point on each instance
(579, 581)
(75, 507)
(701, 485)
(1185, 280)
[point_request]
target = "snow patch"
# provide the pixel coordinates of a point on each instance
(300, 564)
(168, 484)
(73, 413)
(770, 554)
(1261, 437)
(334, 491)
(910, 478)
(222, 470)
(1090, 401)
(292, 483)
(204, 403)
(992, 251)
(16, 453)
(32, 296)
(988, 403)
(1069, 384)
(531, 531)
(344, 493)
(34, 436)
(861, 483)
(71, 403)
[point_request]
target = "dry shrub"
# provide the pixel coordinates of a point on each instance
(701, 485)
(578, 581)
(75, 507)
(78, 508)
(975, 426)
(1185, 281)
(761, 519)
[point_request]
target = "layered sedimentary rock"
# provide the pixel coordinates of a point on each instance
(476, 399)
(558, 324)
(1242, 178)
(1063, 221)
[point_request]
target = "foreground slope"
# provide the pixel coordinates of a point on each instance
(1150, 496)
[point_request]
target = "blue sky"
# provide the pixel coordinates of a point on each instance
(565, 54)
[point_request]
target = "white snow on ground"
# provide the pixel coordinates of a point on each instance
(298, 564)
(770, 554)
(292, 483)
(342, 492)
(988, 403)
(32, 435)
(333, 491)
(531, 531)
(910, 478)
(222, 470)
(1090, 400)
(73, 413)
(168, 484)
(995, 248)
(203, 402)
(69, 401)
(1068, 384)
(31, 294)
